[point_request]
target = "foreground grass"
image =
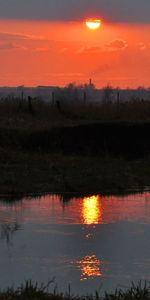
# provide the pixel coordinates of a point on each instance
(30, 290)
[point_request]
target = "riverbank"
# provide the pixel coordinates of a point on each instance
(97, 157)
(126, 140)
(28, 172)
(29, 290)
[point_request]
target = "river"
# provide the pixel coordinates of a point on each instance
(81, 243)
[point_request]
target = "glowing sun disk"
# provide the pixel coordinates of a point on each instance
(93, 24)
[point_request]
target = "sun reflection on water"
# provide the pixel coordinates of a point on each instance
(91, 210)
(90, 267)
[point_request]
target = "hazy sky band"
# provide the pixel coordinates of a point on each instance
(53, 52)
(132, 11)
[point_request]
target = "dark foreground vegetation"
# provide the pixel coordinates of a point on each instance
(61, 148)
(29, 290)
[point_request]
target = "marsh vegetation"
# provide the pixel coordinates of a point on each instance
(30, 290)
(73, 146)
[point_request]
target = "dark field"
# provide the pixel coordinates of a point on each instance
(127, 140)
(50, 149)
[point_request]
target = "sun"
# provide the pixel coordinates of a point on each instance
(93, 24)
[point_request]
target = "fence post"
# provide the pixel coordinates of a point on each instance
(84, 97)
(53, 98)
(30, 107)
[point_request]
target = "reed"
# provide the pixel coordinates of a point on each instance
(30, 290)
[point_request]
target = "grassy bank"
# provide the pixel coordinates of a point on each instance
(28, 172)
(48, 152)
(128, 140)
(29, 290)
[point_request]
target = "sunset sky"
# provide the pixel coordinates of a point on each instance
(46, 42)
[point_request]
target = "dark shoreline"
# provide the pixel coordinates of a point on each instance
(89, 158)
(67, 196)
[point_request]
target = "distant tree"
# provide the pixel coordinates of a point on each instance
(90, 85)
(87, 85)
(107, 94)
(141, 93)
(71, 86)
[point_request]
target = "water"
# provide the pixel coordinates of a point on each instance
(90, 243)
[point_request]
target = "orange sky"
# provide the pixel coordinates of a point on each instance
(55, 53)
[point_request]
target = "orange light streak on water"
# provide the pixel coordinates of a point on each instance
(90, 267)
(91, 210)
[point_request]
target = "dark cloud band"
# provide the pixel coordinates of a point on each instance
(133, 11)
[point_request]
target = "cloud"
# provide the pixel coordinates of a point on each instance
(89, 49)
(10, 46)
(21, 41)
(76, 74)
(10, 36)
(117, 44)
(14, 36)
(142, 46)
(114, 45)
(135, 11)
(101, 69)
(64, 50)
(41, 49)
(6, 46)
